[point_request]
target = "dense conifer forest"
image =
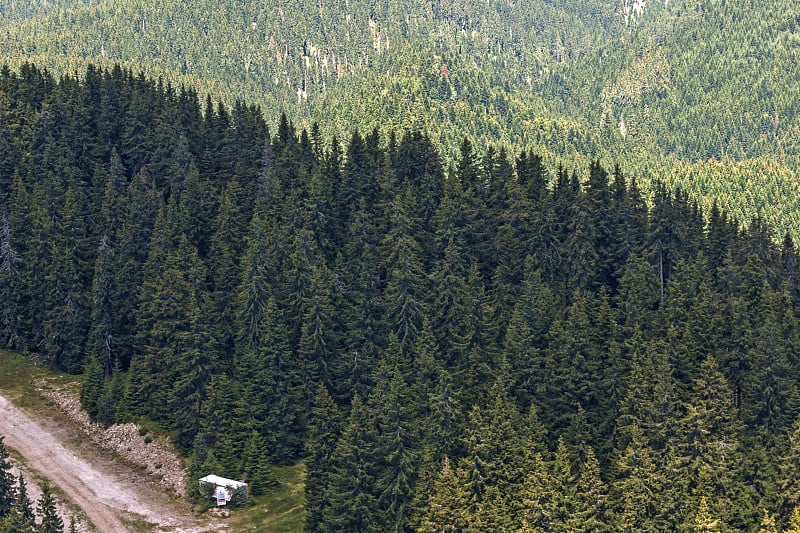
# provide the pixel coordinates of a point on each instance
(488, 345)
(694, 94)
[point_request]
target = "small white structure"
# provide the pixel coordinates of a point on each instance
(224, 489)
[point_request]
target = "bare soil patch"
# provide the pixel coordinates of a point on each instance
(83, 460)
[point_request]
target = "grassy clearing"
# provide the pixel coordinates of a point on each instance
(280, 511)
(18, 377)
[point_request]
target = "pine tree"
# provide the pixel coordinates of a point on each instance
(590, 498)
(13, 523)
(50, 522)
(324, 430)
(396, 448)
(350, 493)
(447, 506)
(7, 492)
(255, 466)
(23, 503)
(636, 487)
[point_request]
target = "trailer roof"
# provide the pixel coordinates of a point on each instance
(223, 482)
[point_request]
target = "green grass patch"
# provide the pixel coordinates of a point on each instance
(282, 510)
(19, 375)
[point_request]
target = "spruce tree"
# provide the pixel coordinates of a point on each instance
(324, 430)
(255, 466)
(447, 504)
(23, 503)
(7, 492)
(396, 448)
(10, 285)
(271, 388)
(13, 523)
(351, 491)
(50, 521)
(591, 496)
(709, 451)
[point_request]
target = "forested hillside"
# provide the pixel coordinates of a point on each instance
(652, 85)
(497, 347)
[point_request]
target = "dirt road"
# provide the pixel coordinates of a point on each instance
(110, 499)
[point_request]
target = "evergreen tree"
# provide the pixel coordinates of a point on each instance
(271, 389)
(23, 504)
(709, 451)
(13, 523)
(142, 203)
(789, 477)
(636, 487)
(67, 278)
(446, 509)
(255, 466)
(227, 244)
(7, 492)
(590, 497)
(196, 468)
(317, 349)
(324, 430)
(405, 288)
(50, 521)
(351, 490)
(396, 448)
(794, 522)
(254, 290)
(11, 291)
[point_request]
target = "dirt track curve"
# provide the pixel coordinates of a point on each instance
(108, 499)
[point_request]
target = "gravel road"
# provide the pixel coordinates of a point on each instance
(110, 500)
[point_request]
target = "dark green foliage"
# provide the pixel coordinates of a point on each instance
(324, 430)
(351, 498)
(7, 492)
(255, 468)
(13, 523)
(248, 292)
(49, 520)
(23, 503)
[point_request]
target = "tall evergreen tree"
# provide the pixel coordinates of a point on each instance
(7, 492)
(23, 504)
(351, 491)
(325, 426)
(50, 521)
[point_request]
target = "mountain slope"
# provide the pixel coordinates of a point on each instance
(656, 84)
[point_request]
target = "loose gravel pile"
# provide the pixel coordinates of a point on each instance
(153, 455)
